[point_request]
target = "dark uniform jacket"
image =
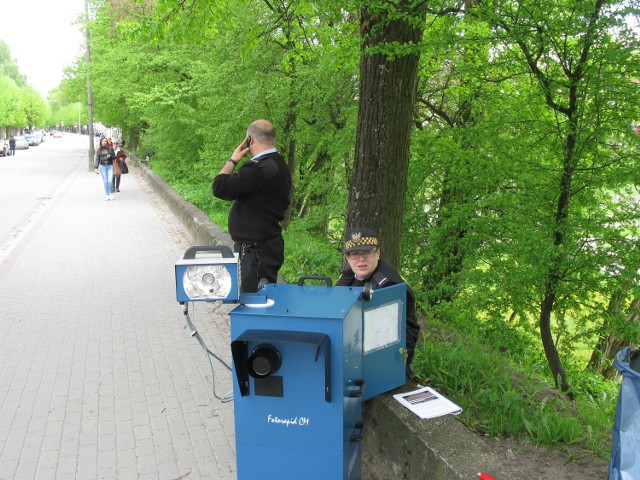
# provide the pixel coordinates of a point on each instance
(384, 276)
(260, 193)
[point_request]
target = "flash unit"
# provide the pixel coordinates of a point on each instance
(208, 273)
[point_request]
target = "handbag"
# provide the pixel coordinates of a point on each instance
(123, 167)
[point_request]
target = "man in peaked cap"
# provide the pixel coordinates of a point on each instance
(364, 265)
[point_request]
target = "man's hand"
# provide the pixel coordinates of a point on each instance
(237, 155)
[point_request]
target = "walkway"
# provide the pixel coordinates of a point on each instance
(99, 377)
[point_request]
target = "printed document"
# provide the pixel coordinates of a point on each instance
(427, 403)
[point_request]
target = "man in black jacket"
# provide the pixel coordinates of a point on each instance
(260, 192)
(364, 265)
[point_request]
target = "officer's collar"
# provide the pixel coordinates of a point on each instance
(257, 158)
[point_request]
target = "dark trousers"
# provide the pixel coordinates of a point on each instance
(116, 182)
(259, 261)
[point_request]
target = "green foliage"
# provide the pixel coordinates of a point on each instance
(8, 67)
(69, 115)
(20, 104)
(11, 113)
(306, 254)
(35, 109)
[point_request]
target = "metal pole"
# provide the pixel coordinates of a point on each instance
(92, 150)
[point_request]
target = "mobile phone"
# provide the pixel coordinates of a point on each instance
(247, 142)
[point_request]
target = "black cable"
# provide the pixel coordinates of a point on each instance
(194, 333)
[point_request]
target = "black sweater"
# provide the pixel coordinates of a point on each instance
(260, 192)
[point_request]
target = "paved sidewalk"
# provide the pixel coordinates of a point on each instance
(99, 377)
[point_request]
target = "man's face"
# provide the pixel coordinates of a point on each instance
(363, 262)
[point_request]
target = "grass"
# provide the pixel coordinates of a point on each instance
(501, 398)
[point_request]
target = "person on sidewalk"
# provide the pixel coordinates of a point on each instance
(12, 145)
(364, 264)
(121, 155)
(103, 164)
(260, 192)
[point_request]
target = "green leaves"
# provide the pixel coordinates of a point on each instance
(20, 104)
(11, 111)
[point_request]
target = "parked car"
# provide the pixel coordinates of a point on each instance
(4, 148)
(57, 134)
(21, 142)
(34, 139)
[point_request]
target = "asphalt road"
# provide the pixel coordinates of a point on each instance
(29, 181)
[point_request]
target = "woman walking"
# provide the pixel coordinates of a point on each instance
(117, 169)
(103, 165)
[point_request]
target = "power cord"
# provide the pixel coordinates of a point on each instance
(194, 333)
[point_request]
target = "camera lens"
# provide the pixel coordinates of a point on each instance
(265, 360)
(261, 366)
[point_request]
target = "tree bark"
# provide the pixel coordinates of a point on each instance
(387, 100)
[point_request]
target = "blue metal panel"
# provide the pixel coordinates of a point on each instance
(308, 301)
(304, 359)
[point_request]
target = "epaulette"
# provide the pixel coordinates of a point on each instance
(379, 278)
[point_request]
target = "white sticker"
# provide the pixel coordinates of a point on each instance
(382, 326)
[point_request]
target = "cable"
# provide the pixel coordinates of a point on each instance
(194, 333)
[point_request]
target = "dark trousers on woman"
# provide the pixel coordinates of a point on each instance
(116, 183)
(259, 261)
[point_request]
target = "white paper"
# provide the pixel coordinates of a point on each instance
(381, 327)
(427, 403)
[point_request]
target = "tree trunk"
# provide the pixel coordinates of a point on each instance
(553, 273)
(550, 350)
(387, 100)
(291, 160)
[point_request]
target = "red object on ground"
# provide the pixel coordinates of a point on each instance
(486, 476)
